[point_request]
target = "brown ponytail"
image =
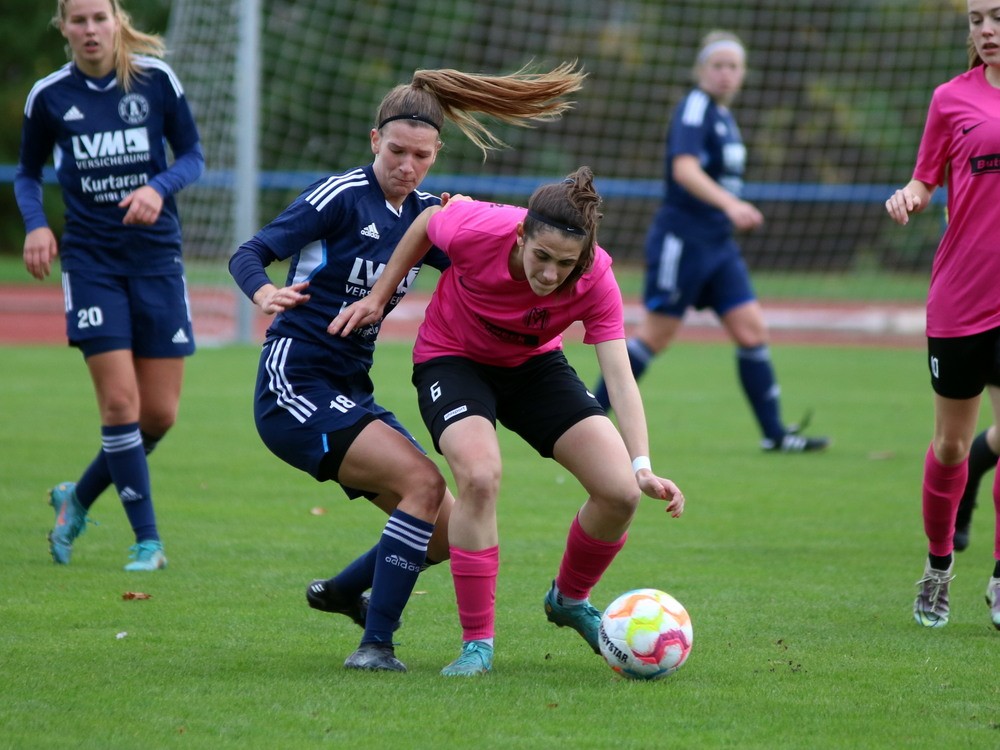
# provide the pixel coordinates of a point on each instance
(517, 99)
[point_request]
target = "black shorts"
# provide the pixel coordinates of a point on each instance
(539, 400)
(961, 367)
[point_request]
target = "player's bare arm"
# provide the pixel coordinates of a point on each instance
(411, 248)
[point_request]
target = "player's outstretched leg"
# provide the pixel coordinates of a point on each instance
(981, 460)
(323, 595)
(476, 659)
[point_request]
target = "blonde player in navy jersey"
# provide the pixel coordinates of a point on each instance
(314, 405)
(692, 258)
(105, 117)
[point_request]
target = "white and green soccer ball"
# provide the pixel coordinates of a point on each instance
(645, 634)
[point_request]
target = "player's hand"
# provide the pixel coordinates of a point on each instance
(40, 248)
(366, 311)
(745, 216)
(270, 299)
(662, 489)
(447, 198)
(144, 206)
(901, 204)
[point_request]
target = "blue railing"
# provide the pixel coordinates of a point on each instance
(522, 186)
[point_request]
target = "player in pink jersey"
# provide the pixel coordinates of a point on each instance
(489, 349)
(960, 145)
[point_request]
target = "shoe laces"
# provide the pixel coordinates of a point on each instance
(933, 585)
(476, 650)
(143, 551)
(803, 423)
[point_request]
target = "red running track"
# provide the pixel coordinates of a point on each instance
(33, 314)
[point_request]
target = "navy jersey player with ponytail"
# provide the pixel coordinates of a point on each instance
(314, 405)
(106, 118)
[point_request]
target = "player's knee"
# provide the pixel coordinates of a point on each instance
(621, 505)
(426, 491)
(479, 483)
(157, 420)
(951, 450)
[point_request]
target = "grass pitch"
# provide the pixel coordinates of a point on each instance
(798, 572)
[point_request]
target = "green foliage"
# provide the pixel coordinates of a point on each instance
(798, 572)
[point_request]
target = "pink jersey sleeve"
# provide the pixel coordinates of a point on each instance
(606, 319)
(932, 156)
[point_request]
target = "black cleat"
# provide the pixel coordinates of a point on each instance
(793, 441)
(961, 540)
(324, 597)
(375, 657)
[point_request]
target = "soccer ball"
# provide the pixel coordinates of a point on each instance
(645, 634)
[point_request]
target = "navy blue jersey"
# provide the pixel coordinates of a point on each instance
(339, 234)
(706, 130)
(105, 143)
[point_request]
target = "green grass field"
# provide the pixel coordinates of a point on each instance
(798, 572)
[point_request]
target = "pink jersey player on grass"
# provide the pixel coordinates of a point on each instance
(490, 349)
(960, 147)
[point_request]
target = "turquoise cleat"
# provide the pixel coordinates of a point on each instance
(71, 521)
(583, 618)
(476, 659)
(147, 555)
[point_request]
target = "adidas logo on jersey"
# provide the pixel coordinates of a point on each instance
(72, 114)
(370, 231)
(180, 337)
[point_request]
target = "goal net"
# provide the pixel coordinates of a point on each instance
(831, 111)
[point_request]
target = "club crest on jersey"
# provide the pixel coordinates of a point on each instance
(536, 317)
(133, 109)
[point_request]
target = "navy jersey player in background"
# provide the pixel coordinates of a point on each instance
(692, 259)
(314, 404)
(105, 118)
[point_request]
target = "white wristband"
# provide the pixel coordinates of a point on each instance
(641, 462)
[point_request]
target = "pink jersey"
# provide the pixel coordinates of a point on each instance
(479, 311)
(961, 144)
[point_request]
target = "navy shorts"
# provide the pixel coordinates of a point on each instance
(539, 400)
(308, 411)
(150, 315)
(961, 367)
(681, 274)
